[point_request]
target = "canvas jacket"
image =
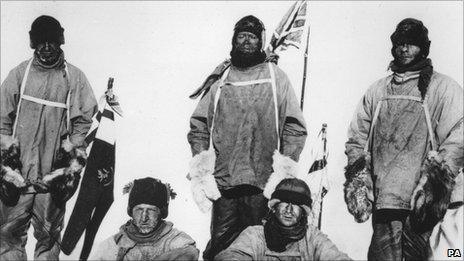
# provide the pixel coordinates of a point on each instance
(251, 245)
(400, 141)
(170, 244)
(244, 134)
(41, 128)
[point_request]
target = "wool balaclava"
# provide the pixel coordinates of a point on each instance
(152, 192)
(413, 31)
(45, 29)
(252, 25)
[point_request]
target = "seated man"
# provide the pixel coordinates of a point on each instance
(147, 236)
(285, 234)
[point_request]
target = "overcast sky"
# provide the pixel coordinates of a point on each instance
(159, 52)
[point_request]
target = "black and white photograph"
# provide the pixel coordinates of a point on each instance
(231, 130)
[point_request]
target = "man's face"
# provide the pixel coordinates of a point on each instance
(406, 53)
(48, 53)
(146, 217)
(288, 214)
(246, 42)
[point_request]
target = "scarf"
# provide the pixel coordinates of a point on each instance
(425, 68)
(59, 64)
(278, 236)
(242, 60)
(134, 234)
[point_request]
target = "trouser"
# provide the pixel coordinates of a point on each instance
(47, 220)
(393, 238)
(230, 216)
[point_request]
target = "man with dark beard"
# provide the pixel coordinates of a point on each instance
(285, 234)
(147, 236)
(46, 106)
(247, 110)
(404, 148)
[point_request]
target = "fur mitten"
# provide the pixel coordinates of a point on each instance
(284, 167)
(358, 189)
(11, 180)
(64, 179)
(202, 182)
(431, 196)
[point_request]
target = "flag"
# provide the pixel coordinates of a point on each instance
(317, 175)
(291, 29)
(96, 190)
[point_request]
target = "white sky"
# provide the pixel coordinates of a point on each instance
(159, 52)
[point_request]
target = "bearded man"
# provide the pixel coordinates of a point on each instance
(46, 109)
(147, 236)
(285, 234)
(404, 148)
(248, 111)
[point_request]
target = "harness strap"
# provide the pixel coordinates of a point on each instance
(403, 97)
(42, 101)
(245, 83)
(274, 94)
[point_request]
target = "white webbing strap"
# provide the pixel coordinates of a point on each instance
(216, 99)
(21, 92)
(42, 101)
(274, 95)
(403, 97)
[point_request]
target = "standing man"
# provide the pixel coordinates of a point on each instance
(45, 103)
(247, 112)
(147, 236)
(400, 119)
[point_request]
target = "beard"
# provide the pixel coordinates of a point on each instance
(246, 59)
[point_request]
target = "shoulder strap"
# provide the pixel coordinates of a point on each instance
(403, 97)
(216, 99)
(42, 101)
(274, 95)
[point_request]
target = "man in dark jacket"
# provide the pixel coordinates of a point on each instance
(239, 123)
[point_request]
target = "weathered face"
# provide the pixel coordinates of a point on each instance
(48, 53)
(406, 53)
(146, 217)
(288, 214)
(246, 42)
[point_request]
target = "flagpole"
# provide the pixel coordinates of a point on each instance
(303, 84)
(324, 140)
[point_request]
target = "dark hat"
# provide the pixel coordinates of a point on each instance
(294, 191)
(152, 192)
(45, 29)
(252, 25)
(411, 31)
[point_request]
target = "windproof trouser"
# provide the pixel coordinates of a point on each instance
(393, 238)
(47, 220)
(231, 214)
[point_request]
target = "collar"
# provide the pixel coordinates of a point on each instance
(406, 76)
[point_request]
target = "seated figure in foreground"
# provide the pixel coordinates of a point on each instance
(147, 236)
(285, 234)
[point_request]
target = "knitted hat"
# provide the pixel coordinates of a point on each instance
(411, 31)
(149, 191)
(45, 29)
(294, 191)
(252, 25)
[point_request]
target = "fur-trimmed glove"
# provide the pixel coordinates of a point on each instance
(432, 194)
(358, 189)
(64, 179)
(283, 168)
(11, 180)
(202, 182)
